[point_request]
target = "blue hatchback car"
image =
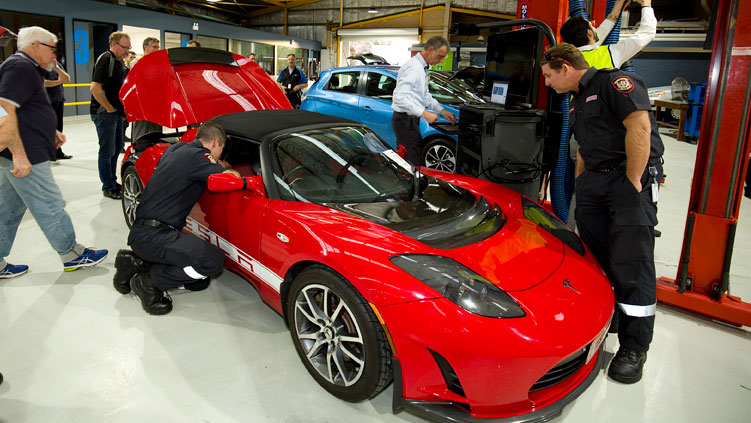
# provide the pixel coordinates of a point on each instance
(363, 94)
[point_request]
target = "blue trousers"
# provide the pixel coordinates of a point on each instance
(110, 130)
(38, 193)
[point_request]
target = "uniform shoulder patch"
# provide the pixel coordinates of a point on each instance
(623, 84)
(209, 158)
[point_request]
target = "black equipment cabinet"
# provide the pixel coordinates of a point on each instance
(503, 146)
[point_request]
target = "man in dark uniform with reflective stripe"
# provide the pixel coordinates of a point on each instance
(619, 164)
(163, 256)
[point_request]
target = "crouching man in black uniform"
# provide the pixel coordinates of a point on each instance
(163, 256)
(619, 164)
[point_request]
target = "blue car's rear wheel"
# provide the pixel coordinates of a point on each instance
(440, 154)
(337, 336)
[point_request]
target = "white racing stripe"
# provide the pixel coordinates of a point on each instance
(235, 254)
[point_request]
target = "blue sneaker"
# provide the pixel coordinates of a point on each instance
(12, 270)
(89, 258)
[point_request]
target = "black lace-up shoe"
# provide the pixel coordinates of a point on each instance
(127, 264)
(627, 365)
(153, 300)
(114, 194)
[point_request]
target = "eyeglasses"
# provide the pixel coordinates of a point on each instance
(54, 49)
(122, 46)
(549, 58)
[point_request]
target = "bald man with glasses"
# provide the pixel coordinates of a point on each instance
(107, 111)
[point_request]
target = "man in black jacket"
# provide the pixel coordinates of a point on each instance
(164, 256)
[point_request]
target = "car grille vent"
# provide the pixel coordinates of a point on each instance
(563, 370)
(449, 375)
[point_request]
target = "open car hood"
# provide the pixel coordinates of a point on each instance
(184, 86)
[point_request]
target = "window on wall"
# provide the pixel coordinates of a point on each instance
(265, 56)
(175, 39)
(243, 48)
(138, 34)
(212, 42)
(15, 21)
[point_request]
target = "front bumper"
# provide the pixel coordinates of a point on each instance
(442, 412)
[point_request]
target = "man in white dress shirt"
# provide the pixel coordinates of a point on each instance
(411, 99)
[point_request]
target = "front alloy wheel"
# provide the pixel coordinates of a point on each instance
(337, 336)
(132, 190)
(440, 154)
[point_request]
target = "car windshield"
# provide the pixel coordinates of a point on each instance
(346, 164)
(448, 92)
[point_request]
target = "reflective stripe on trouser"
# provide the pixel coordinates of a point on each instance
(617, 224)
(171, 253)
(190, 271)
(638, 311)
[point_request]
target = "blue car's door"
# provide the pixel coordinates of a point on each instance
(339, 96)
(375, 105)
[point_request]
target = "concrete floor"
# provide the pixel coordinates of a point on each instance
(74, 350)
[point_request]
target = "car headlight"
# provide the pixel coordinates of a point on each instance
(460, 285)
(548, 221)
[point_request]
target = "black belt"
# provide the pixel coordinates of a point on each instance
(622, 165)
(152, 222)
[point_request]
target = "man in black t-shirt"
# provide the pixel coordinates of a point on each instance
(164, 256)
(107, 111)
(28, 132)
(618, 167)
(54, 81)
(292, 80)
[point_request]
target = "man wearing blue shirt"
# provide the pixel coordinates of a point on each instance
(292, 80)
(26, 180)
(411, 98)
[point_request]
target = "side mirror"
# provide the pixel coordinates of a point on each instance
(226, 182)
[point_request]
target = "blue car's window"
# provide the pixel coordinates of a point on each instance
(345, 82)
(338, 165)
(380, 86)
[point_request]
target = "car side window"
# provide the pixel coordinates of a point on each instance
(345, 82)
(380, 86)
(243, 154)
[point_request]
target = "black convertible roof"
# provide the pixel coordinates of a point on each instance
(259, 123)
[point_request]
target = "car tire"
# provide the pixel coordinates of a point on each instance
(337, 335)
(440, 154)
(132, 190)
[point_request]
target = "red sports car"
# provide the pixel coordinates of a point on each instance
(477, 302)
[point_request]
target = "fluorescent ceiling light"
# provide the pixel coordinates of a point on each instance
(372, 10)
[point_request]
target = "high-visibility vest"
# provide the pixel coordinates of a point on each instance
(599, 57)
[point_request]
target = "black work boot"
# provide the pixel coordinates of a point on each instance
(153, 300)
(127, 264)
(199, 285)
(626, 367)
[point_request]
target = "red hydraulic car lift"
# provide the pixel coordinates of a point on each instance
(703, 276)
(722, 156)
